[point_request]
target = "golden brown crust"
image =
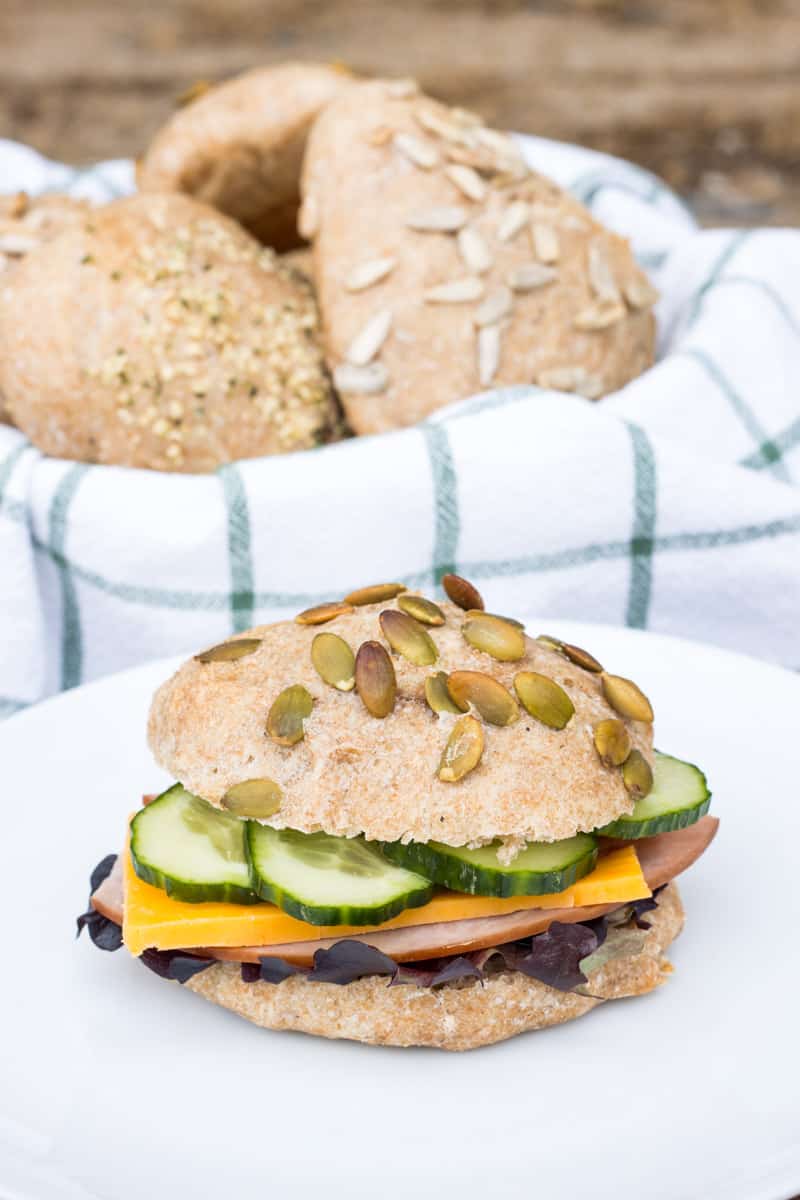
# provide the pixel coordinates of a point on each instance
(359, 193)
(353, 773)
(453, 1017)
(26, 222)
(159, 334)
(240, 146)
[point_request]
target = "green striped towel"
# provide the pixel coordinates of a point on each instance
(673, 505)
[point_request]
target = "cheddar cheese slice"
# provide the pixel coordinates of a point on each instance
(154, 919)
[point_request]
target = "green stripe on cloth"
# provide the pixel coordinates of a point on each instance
(771, 450)
(7, 468)
(447, 520)
(239, 548)
(644, 527)
(732, 247)
(760, 285)
(579, 556)
(587, 186)
(71, 635)
(174, 599)
(737, 402)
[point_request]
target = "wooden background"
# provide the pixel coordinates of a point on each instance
(704, 92)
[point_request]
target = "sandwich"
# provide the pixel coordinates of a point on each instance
(407, 823)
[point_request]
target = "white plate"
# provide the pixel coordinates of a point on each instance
(116, 1085)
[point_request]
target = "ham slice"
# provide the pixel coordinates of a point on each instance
(662, 858)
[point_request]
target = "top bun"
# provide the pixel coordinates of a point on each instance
(354, 773)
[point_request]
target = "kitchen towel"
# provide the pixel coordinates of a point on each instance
(672, 505)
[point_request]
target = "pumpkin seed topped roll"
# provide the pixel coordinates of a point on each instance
(365, 720)
(404, 821)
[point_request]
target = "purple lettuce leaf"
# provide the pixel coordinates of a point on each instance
(175, 964)
(349, 960)
(105, 934)
(438, 971)
(271, 970)
(554, 956)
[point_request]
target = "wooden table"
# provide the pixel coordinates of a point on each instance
(704, 92)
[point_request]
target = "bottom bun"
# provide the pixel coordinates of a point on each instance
(455, 1016)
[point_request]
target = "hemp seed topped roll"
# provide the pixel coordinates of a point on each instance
(158, 333)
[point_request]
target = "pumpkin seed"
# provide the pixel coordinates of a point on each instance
(493, 701)
(334, 661)
(321, 613)
(256, 798)
(421, 609)
(229, 651)
(462, 592)
(289, 709)
(626, 698)
(551, 642)
(544, 699)
(495, 636)
(479, 612)
(581, 658)
(575, 654)
(438, 696)
(463, 750)
(612, 742)
(407, 637)
(376, 593)
(637, 775)
(376, 681)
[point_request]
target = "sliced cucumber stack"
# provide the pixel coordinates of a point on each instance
(680, 796)
(540, 869)
(328, 880)
(191, 850)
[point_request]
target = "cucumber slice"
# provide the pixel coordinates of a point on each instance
(191, 850)
(541, 868)
(680, 796)
(328, 880)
